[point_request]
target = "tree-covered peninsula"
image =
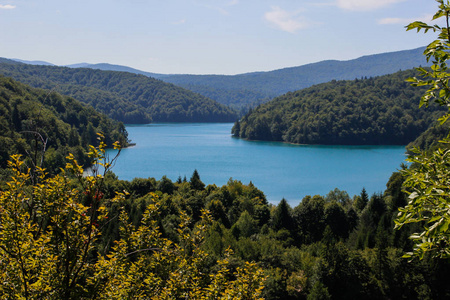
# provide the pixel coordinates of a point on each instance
(368, 111)
(130, 98)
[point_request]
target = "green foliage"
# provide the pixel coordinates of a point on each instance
(123, 96)
(308, 216)
(245, 226)
(336, 218)
(361, 200)
(282, 216)
(427, 181)
(195, 181)
(428, 203)
(374, 111)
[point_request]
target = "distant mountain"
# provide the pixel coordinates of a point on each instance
(80, 65)
(127, 97)
(250, 89)
(246, 89)
(110, 67)
(33, 62)
(375, 111)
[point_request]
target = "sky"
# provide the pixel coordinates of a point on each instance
(208, 36)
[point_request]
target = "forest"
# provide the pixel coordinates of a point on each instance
(327, 247)
(368, 111)
(126, 97)
(33, 120)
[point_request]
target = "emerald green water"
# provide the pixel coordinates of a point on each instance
(279, 170)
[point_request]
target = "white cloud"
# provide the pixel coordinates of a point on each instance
(364, 4)
(284, 20)
(405, 21)
(7, 6)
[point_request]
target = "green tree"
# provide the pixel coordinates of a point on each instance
(166, 185)
(361, 201)
(282, 216)
(15, 116)
(195, 181)
(336, 218)
(49, 230)
(246, 225)
(309, 218)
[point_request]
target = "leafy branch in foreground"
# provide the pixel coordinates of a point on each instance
(437, 78)
(428, 184)
(428, 179)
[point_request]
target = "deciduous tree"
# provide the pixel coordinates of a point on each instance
(428, 181)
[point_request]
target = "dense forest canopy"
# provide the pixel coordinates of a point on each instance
(127, 97)
(368, 111)
(34, 121)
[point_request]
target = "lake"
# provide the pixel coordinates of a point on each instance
(280, 170)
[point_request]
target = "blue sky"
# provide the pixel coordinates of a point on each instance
(208, 36)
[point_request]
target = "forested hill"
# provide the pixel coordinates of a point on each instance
(127, 97)
(375, 111)
(30, 118)
(244, 89)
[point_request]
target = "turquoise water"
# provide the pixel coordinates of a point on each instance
(279, 170)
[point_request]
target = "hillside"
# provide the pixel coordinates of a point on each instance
(429, 139)
(30, 118)
(250, 89)
(245, 89)
(127, 97)
(375, 111)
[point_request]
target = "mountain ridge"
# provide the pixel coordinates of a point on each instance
(115, 67)
(252, 88)
(242, 91)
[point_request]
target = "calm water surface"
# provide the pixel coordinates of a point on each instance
(279, 170)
